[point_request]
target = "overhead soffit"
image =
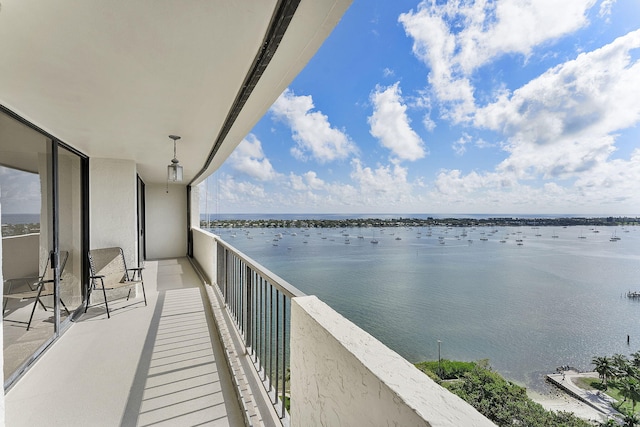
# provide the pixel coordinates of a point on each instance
(114, 79)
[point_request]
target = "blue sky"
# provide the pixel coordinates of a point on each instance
(446, 107)
(453, 107)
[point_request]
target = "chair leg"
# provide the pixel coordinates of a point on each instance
(90, 288)
(35, 303)
(65, 307)
(33, 310)
(104, 292)
(144, 294)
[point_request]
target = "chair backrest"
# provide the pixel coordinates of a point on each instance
(108, 262)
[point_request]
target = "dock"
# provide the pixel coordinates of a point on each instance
(594, 398)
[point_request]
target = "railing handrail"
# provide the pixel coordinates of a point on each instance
(278, 282)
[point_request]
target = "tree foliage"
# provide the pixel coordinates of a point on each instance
(451, 369)
(504, 402)
(604, 367)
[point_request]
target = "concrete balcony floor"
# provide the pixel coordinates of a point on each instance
(156, 365)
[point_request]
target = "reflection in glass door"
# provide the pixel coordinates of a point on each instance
(27, 241)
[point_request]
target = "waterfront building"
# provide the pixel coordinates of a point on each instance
(93, 98)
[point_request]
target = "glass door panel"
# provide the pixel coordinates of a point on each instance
(70, 230)
(27, 242)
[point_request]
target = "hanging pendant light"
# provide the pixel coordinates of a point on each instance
(174, 170)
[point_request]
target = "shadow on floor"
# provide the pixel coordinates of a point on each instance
(181, 377)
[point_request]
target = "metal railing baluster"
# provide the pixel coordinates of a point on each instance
(257, 301)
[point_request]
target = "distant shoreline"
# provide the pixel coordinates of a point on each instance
(320, 222)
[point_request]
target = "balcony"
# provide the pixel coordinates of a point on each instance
(219, 355)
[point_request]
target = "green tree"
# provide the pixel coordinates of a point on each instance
(630, 419)
(635, 359)
(620, 365)
(604, 368)
(631, 387)
(506, 403)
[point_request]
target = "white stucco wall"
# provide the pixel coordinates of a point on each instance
(166, 220)
(342, 376)
(204, 252)
(21, 256)
(112, 206)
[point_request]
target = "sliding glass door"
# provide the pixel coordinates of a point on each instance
(26, 181)
(42, 202)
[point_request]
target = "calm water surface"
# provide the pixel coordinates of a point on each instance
(556, 299)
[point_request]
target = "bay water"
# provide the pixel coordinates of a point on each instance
(528, 299)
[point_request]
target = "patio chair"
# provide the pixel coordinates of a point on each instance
(43, 287)
(109, 271)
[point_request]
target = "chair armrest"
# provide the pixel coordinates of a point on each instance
(134, 271)
(100, 276)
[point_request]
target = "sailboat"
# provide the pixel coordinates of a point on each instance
(374, 240)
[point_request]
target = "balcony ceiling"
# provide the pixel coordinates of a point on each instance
(114, 78)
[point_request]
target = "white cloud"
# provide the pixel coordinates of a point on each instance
(423, 101)
(561, 131)
(307, 181)
(313, 181)
(311, 130)
(370, 190)
(19, 191)
(388, 182)
(563, 122)
(457, 37)
(612, 182)
(605, 8)
(249, 159)
(459, 146)
(233, 192)
(390, 124)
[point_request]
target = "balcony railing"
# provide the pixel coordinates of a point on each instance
(260, 304)
(339, 373)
